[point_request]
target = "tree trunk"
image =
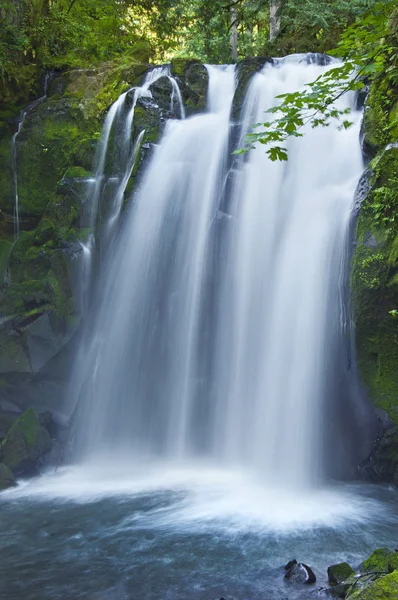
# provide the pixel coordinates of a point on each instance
(234, 34)
(274, 19)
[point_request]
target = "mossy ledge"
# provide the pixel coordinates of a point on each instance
(374, 277)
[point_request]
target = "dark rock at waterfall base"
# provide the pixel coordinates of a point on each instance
(382, 463)
(25, 444)
(339, 573)
(6, 478)
(300, 573)
(290, 564)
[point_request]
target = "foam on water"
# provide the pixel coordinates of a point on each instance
(200, 496)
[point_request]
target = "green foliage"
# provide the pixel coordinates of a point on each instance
(315, 25)
(369, 50)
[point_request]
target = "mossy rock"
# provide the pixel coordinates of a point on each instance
(378, 561)
(6, 178)
(339, 573)
(162, 91)
(46, 147)
(343, 588)
(374, 282)
(385, 588)
(25, 443)
(393, 562)
(7, 478)
(193, 80)
(147, 117)
(245, 70)
(380, 116)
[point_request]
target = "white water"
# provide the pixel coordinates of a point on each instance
(121, 157)
(217, 324)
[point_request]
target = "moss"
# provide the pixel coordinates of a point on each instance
(378, 561)
(6, 181)
(385, 588)
(375, 285)
(194, 80)
(47, 145)
(245, 71)
(179, 66)
(5, 251)
(147, 117)
(339, 573)
(381, 113)
(25, 442)
(393, 562)
(96, 89)
(6, 478)
(13, 356)
(74, 172)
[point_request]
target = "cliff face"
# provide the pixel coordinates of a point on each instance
(48, 167)
(374, 276)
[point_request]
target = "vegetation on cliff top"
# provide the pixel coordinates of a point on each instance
(47, 35)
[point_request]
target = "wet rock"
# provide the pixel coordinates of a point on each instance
(384, 588)
(290, 564)
(300, 573)
(245, 71)
(382, 463)
(339, 573)
(9, 407)
(7, 479)
(378, 561)
(162, 92)
(340, 590)
(25, 443)
(193, 79)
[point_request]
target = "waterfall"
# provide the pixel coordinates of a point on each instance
(116, 154)
(14, 166)
(220, 313)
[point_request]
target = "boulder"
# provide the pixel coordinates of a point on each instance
(25, 443)
(339, 573)
(300, 573)
(6, 477)
(378, 561)
(384, 588)
(193, 79)
(393, 562)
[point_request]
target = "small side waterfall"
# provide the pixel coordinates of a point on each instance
(114, 162)
(220, 316)
(14, 165)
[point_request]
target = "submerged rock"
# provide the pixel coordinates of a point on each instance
(339, 573)
(300, 573)
(7, 479)
(25, 443)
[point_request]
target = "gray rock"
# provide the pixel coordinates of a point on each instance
(300, 573)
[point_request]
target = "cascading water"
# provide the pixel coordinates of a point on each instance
(216, 330)
(114, 161)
